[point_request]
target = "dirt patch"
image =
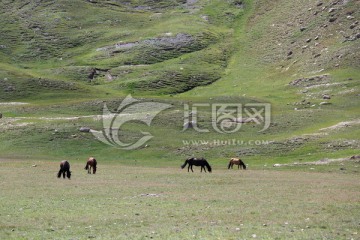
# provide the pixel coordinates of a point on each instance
(324, 161)
(13, 103)
(341, 125)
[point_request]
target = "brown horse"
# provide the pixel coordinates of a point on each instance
(64, 168)
(236, 161)
(91, 163)
(197, 162)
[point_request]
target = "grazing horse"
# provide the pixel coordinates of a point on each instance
(91, 163)
(197, 162)
(64, 168)
(236, 161)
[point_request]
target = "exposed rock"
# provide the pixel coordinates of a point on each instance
(353, 25)
(332, 19)
(325, 96)
(310, 80)
(325, 103)
(189, 124)
(92, 73)
(84, 129)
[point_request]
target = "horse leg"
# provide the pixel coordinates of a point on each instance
(63, 173)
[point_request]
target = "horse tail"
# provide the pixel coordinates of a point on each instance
(208, 166)
(243, 165)
(229, 164)
(184, 165)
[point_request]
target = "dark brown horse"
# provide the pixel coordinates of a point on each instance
(64, 168)
(91, 163)
(197, 162)
(236, 161)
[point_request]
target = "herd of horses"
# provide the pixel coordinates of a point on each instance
(199, 162)
(65, 167)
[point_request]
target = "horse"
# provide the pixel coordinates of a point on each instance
(64, 168)
(91, 163)
(236, 161)
(197, 162)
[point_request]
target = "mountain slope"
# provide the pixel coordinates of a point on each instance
(67, 58)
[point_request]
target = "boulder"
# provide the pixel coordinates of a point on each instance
(189, 124)
(84, 129)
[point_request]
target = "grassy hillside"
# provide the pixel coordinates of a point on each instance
(65, 59)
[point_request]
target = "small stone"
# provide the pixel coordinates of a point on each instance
(84, 129)
(324, 103)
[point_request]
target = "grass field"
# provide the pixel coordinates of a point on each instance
(137, 202)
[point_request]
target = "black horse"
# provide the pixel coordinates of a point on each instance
(197, 162)
(64, 168)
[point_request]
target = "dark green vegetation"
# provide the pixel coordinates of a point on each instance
(61, 61)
